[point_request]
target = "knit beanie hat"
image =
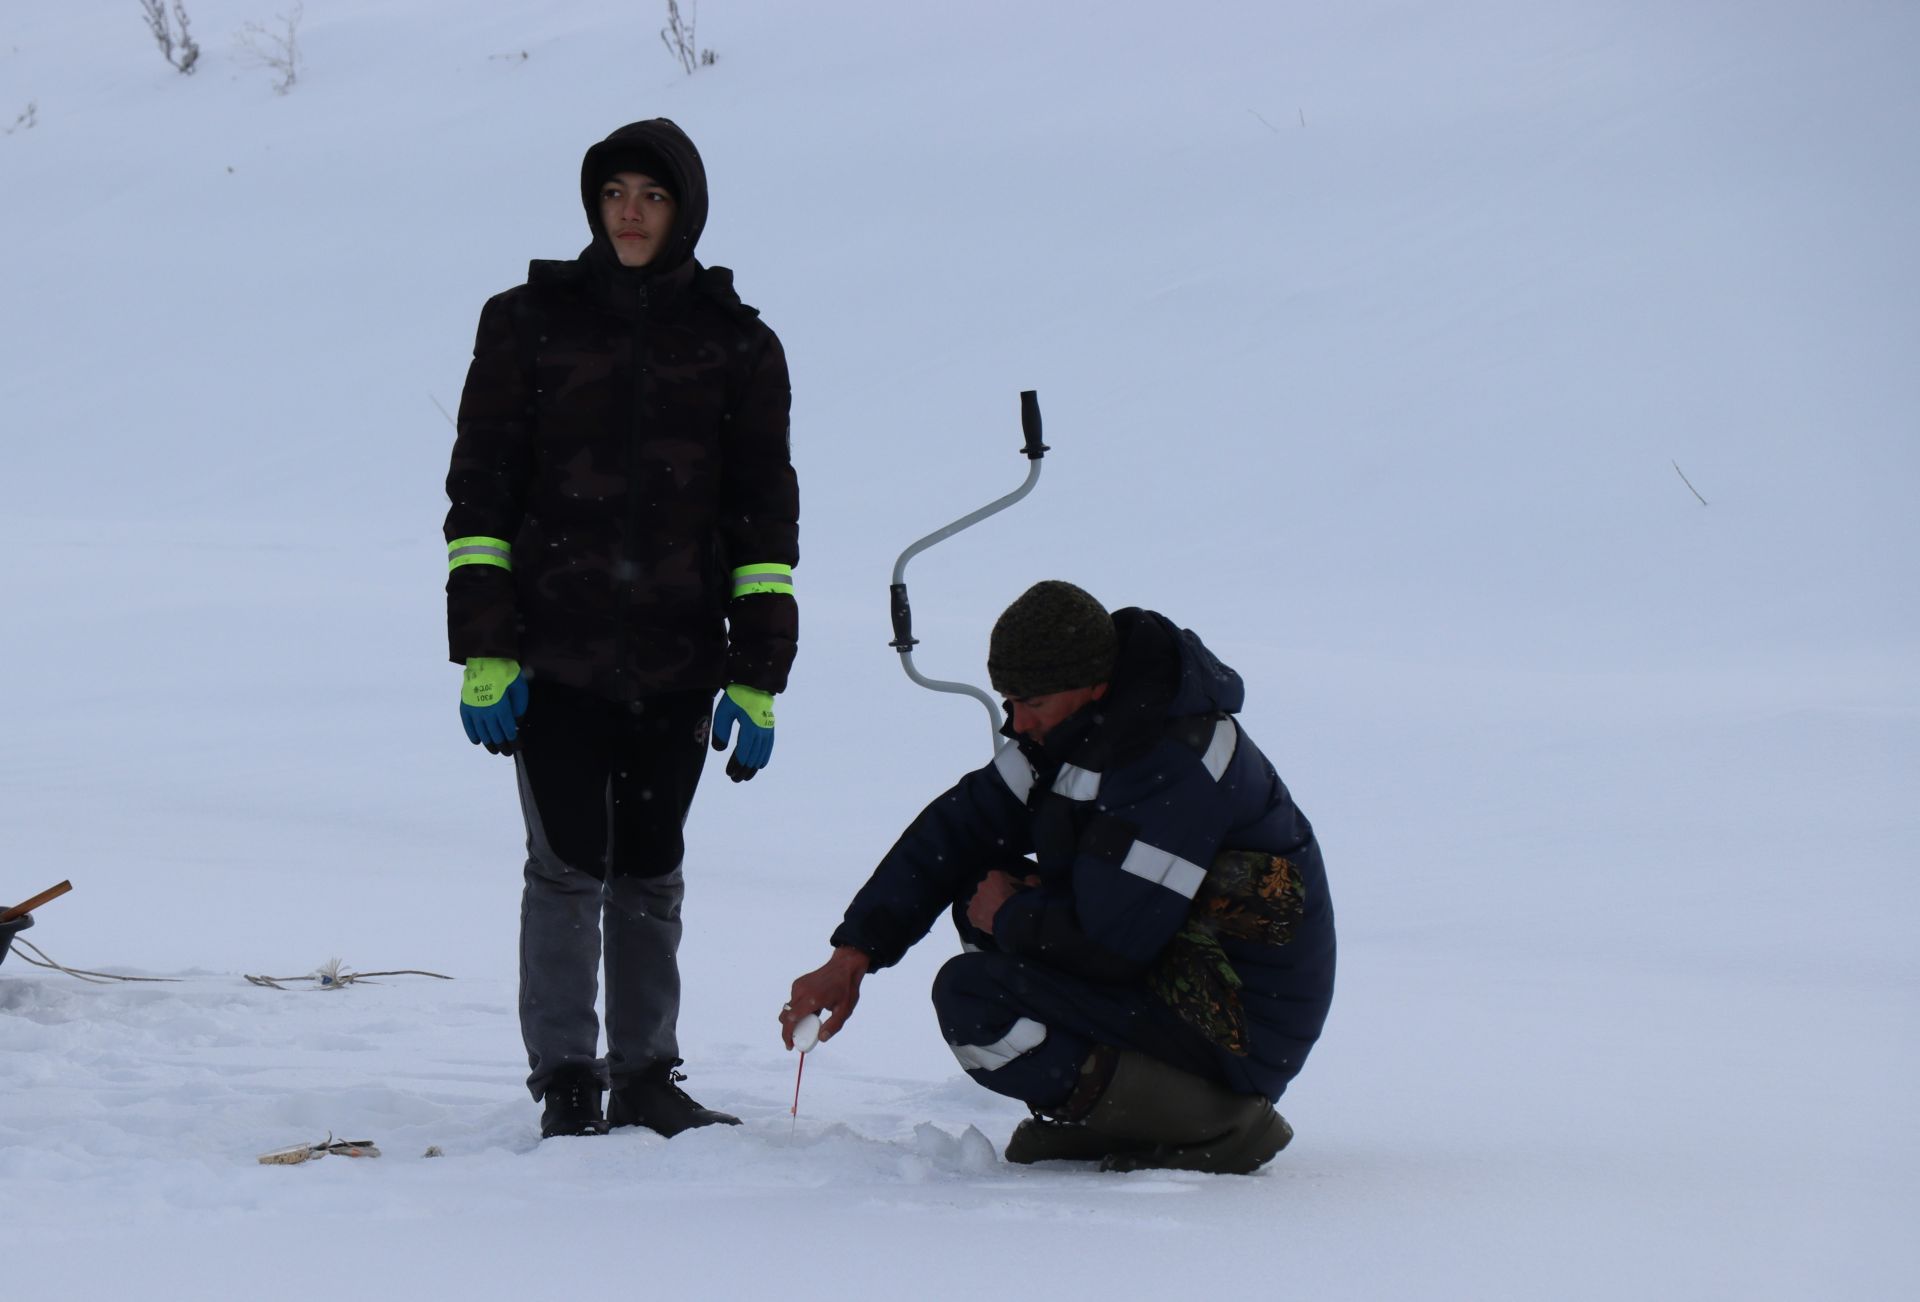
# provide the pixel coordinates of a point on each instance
(1053, 638)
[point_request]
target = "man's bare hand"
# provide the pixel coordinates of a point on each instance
(832, 989)
(996, 889)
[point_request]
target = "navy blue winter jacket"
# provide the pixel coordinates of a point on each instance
(1122, 809)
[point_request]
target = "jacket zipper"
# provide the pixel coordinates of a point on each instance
(636, 407)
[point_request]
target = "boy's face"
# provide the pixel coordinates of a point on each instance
(637, 216)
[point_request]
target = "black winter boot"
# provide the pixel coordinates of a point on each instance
(572, 1104)
(1182, 1122)
(653, 1098)
(1063, 1137)
(1043, 1139)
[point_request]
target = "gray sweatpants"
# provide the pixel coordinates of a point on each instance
(604, 789)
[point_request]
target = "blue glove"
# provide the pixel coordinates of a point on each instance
(752, 709)
(493, 696)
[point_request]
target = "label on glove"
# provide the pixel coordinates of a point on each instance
(485, 682)
(756, 704)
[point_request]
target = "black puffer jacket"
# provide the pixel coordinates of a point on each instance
(623, 431)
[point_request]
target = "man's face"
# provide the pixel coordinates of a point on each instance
(637, 215)
(1036, 716)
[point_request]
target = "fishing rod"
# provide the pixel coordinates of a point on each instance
(903, 638)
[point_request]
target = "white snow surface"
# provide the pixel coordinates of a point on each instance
(1372, 341)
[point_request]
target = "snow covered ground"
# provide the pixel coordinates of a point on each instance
(1369, 339)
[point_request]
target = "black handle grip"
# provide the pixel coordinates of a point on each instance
(903, 638)
(1030, 422)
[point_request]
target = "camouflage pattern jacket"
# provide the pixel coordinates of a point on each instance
(624, 512)
(1170, 856)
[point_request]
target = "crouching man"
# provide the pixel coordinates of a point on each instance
(1149, 944)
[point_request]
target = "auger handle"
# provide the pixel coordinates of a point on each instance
(1030, 423)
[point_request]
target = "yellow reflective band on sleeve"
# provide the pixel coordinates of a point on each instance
(749, 579)
(479, 551)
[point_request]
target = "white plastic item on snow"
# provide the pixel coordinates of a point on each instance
(806, 1032)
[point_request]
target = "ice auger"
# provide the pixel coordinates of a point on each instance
(903, 638)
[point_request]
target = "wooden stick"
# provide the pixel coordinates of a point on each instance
(51, 893)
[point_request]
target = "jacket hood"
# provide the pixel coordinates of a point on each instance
(1206, 684)
(661, 144)
(1169, 670)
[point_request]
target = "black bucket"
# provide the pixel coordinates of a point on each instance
(8, 931)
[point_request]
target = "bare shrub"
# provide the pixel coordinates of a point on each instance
(180, 50)
(678, 37)
(276, 49)
(25, 122)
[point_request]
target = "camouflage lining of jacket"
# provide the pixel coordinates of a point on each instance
(1249, 896)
